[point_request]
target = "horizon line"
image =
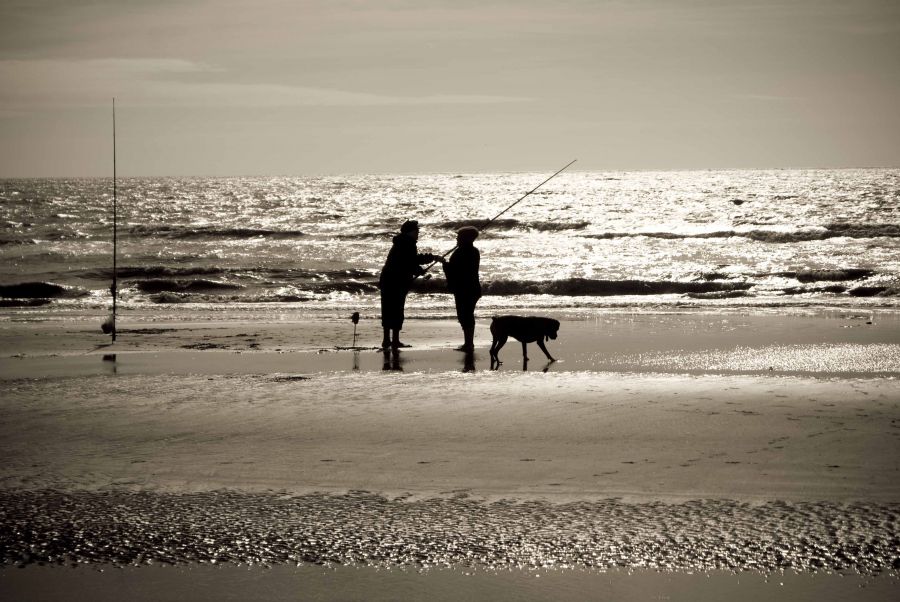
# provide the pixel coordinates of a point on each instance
(325, 174)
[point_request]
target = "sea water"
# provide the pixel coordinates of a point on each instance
(706, 239)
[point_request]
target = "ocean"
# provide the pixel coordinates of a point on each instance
(584, 241)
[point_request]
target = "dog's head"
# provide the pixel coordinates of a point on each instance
(552, 327)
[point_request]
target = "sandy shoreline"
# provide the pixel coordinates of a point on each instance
(558, 435)
(354, 583)
(667, 406)
(205, 582)
(833, 343)
(698, 419)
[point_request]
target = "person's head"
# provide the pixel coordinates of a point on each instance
(410, 228)
(466, 236)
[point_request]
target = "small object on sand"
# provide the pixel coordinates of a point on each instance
(109, 325)
(737, 201)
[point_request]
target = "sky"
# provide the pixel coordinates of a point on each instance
(310, 87)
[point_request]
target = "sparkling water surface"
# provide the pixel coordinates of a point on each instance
(701, 238)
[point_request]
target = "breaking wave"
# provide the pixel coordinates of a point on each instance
(183, 286)
(858, 291)
(588, 287)
(206, 291)
(24, 302)
(772, 236)
(874, 291)
(834, 289)
(279, 275)
(152, 271)
(180, 297)
(176, 291)
(664, 235)
(270, 276)
(39, 290)
(189, 232)
(373, 235)
(836, 275)
(864, 230)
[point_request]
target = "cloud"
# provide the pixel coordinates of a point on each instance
(53, 84)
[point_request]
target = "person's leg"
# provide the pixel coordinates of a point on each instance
(465, 313)
(469, 336)
(459, 303)
(398, 321)
(385, 319)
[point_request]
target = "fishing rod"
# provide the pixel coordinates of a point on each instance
(522, 198)
(115, 288)
(109, 325)
(115, 291)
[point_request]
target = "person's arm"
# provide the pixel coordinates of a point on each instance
(475, 276)
(450, 273)
(423, 258)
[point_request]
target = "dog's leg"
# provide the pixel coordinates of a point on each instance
(498, 344)
(544, 349)
(525, 351)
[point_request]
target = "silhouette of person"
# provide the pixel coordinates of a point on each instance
(462, 280)
(402, 266)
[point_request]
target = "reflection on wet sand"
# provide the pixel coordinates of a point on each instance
(133, 528)
(468, 361)
(393, 360)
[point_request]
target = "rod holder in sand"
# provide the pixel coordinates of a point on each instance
(355, 319)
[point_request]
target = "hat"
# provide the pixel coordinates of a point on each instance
(409, 225)
(467, 234)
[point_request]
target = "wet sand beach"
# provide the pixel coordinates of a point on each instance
(715, 447)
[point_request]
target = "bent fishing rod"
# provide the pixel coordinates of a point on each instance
(522, 198)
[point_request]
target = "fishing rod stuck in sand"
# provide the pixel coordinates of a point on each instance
(109, 325)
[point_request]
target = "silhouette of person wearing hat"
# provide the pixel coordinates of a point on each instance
(403, 265)
(462, 280)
